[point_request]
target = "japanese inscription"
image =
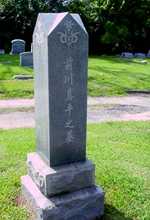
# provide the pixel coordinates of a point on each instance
(69, 37)
(60, 61)
(68, 80)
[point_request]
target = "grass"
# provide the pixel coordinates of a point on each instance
(115, 76)
(9, 66)
(121, 154)
(16, 88)
(9, 88)
(108, 76)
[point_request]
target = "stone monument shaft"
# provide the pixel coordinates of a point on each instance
(60, 45)
(60, 184)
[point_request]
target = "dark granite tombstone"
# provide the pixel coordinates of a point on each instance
(61, 181)
(18, 46)
(127, 55)
(61, 54)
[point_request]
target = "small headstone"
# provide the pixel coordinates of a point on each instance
(26, 59)
(61, 181)
(140, 55)
(127, 55)
(18, 46)
(2, 51)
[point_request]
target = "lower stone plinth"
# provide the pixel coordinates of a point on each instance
(85, 204)
(62, 179)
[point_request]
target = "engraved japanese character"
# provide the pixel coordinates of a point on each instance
(69, 109)
(69, 124)
(70, 137)
(68, 79)
(68, 64)
(69, 94)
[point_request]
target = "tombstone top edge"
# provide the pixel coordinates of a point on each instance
(16, 40)
(49, 21)
(26, 53)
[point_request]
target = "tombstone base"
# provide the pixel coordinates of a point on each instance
(85, 204)
(61, 179)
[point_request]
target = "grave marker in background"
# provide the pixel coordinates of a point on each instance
(2, 51)
(18, 46)
(26, 59)
(61, 181)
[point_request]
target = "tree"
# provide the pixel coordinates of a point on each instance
(115, 25)
(18, 17)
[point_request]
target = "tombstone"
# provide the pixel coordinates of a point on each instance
(26, 59)
(148, 54)
(2, 51)
(18, 46)
(127, 55)
(61, 181)
(140, 55)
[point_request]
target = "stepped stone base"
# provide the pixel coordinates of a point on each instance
(85, 204)
(61, 179)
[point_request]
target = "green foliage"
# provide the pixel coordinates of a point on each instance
(114, 34)
(18, 17)
(115, 25)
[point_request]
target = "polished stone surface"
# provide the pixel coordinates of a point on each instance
(86, 204)
(62, 179)
(60, 45)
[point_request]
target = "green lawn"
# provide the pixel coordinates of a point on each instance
(121, 154)
(114, 76)
(107, 76)
(16, 88)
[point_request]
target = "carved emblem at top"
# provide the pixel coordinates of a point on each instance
(68, 37)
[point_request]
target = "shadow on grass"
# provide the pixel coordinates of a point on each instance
(111, 213)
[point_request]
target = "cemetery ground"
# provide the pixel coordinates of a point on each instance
(120, 151)
(108, 76)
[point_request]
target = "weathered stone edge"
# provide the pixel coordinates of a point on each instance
(62, 179)
(85, 204)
